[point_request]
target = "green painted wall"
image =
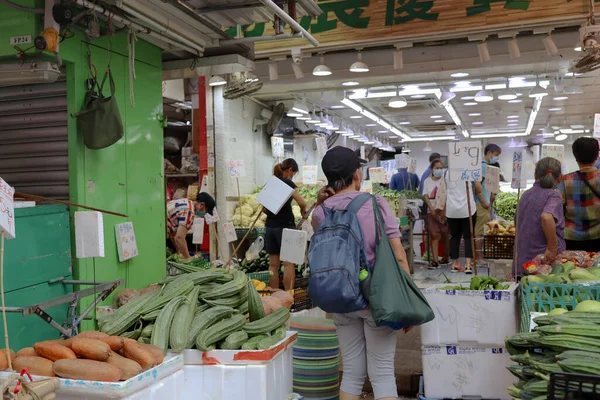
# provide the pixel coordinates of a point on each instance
(126, 177)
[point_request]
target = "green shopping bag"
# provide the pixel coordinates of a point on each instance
(394, 298)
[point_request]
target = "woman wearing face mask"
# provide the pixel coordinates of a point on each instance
(276, 223)
(540, 216)
(436, 219)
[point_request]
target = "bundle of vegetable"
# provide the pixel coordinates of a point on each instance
(261, 263)
(505, 205)
(192, 264)
(480, 283)
(500, 228)
(563, 342)
(92, 356)
(206, 309)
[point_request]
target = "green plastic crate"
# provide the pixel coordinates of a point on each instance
(256, 232)
(262, 276)
(545, 297)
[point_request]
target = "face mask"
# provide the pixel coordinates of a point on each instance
(200, 214)
(494, 160)
(438, 173)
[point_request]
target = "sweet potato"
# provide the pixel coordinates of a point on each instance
(87, 370)
(3, 360)
(92, 335)
(286, 299)
(129, 368)
(138, 353)
(53, 351)
(35, 365)
(92, 349)
(115, 342)
(27, 352)
(271, 304)
(156, 352)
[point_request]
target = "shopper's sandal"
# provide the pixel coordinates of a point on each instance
(444, 261)
(434, 265)
(468, 270)
(456, 268)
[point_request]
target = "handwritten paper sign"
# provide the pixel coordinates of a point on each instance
(126, 243)
(7, 210)
(274, 194)
(402, 160)
(597, 125)
(389, 167)
(321, 147)
(464, 161)
(413, 166)
(492, 179)
(277, 146)
(309, 174)
(198, 231)
(517, 182)
(363, 152)
(204, 184)
(237, 169)
(555, 151)
(305, 153)
(377, 175)
(293, 246)
(211, 219)
(230, 234)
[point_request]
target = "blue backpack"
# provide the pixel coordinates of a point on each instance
(335, 257)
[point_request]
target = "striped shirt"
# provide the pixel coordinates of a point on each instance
(180, 212)
(582, 212)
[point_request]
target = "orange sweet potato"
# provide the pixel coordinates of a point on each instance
(88, 370)
(129, 368)
(156, 352)
(53, 351)
(136, 352)
(92, 349)
(27, 352)
(35, 365)
(115, 342)
(92, 335)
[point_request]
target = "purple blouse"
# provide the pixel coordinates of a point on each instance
(531, 240)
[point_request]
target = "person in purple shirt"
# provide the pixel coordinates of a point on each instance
(427, 173)
(540, 217)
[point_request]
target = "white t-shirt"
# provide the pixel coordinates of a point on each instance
(430, 189)
(456, 199)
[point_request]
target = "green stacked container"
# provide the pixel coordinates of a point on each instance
(316, 358)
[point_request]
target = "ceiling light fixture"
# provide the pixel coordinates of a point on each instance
(561, 137)
(273, 71)
(297, 70)
(404, 123)
(359, 65)
(513, 125)
(370, 125)
(459, 74)
(356, 117)
(513, 49)
(435, 116)
(478, 123)
(484, 96)
(537, 104)
(573, 88)
(294, 113)
(550, 46)
(508, 93)
(439, 121)
(538, 91)
(321, 69)
(560, 98)
(470, 104)
(398, 59)
(347, 134)
(397, 102)
(336, 106)
(515, 101)
(484, 53)
(430, 138)
(474, 114)
(446, 96)
(350, 83)
(300, 107)
(217, 80)
(427, 148)
(467, 98)
(418, 96)
(555, 109)
(462, 83)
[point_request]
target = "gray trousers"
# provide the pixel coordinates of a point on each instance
(366, 349)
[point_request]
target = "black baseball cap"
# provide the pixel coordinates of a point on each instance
(340, 163)
(207, 199)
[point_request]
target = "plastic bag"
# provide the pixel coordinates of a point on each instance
(255, 249)
(579, 258)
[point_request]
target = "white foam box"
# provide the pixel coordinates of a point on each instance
(470, 317)
(457, 372)
(165, 381)
(240, 374)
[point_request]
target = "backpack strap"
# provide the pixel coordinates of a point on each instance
(358, 202)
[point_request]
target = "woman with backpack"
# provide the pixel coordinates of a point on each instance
(276, 223)
(366, 348)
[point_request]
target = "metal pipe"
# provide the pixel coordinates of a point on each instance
(253, 39)
(22, 8)
(195, 49)
(295, 25)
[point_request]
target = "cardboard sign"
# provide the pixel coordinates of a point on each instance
(204, 184)
(274, 194)
(413, 166)
(464, 161)
(230, 234)
(305, 153)
(492, 179)
(597, 125)
(293, 246)
(309, 174)
(321, 147)
(517, 182)
(402, 161)
(7, 209)
(555, 151)
(89, 234)
(377, 175)
(237, 169)
(211, 219)
(363, 152)
(277, 146)
(198, 231)
(126, 243)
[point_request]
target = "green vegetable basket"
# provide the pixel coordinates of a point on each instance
(256, 232)
(262, 276)
(545, 297)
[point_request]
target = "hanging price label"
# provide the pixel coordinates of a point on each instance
(7, 210)
(237, 169)
(230, 234)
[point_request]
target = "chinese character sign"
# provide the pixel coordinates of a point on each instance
(413, 166)
(517, 181)
(492, 179)
(377, 175)
(402, 161)
(555, 151)
(7, 210)
(230, 234)
(237, 169)
(277, 146)
(309, 174)
(464, 161)
(126, 243)
(597, 125)
(198, 231)
(321, 147)
(293, 246)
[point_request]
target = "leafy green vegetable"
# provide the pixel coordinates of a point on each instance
(505, 205)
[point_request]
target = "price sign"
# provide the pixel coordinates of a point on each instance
(211, 219)
(597, 125)
(126, 243)
(198, 231)
(293, 246)
(363, 152)
(230, 234)
(555, 151)
(321, 147)
(237, 169)
(413, 166)
(7, 209)
(274, 194)
(277, 146)
(402, 161)
(492, 179)
(309, 174)
(517, 182)
(464, 161)
(377, 175)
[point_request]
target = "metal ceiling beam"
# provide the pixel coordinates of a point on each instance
(206, 66)
(228, 7)
(287, 18)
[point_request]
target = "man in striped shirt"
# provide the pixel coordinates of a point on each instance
(180, 219)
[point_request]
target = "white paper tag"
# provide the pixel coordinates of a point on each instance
(321, 147)
(230, 234)
(464, 160)
(402, 160)
(211, 219)
(7, 210)
(377, 175)
(204, 185)
(274, 194)
(293, 246)
(277, 146)
(198, 231)
(309, 174)
(89, 234)
(492, 179)
(237, 169)
(126, 243)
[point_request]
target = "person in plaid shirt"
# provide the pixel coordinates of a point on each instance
(580, 191)
(180, 219)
